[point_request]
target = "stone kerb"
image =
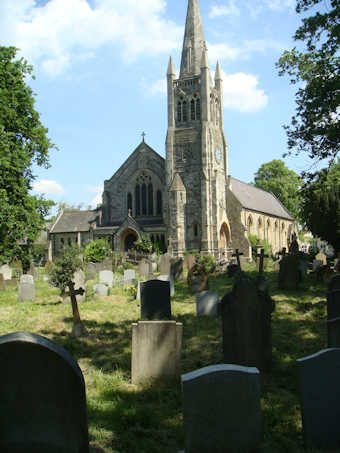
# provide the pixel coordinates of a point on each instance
(222, 410)
(156, 350)
(42, 398)
(320, 399)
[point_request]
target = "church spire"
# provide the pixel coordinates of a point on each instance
(194, 42)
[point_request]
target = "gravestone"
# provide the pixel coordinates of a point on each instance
(42, 398)
(27, 278)
(170, 279)
(101, 290)
(321, 257)
(246, 320)
(165, 264)
(176, 268)
(320, 399)
(6, 271)
(107, 264)
(33, 271)
(129, 277)
(289, 274)
(156, 350)
(106, 278)
(233, 269)
(2, 283)
(222, 409)
(303, 266)
(26, 291)
(154, 266)
(197, 279)
(207, 303)
(91, 271)
(155, 300)
(334, 283)
(316, 265)
(333, 332)
(189, 261)
(79, 283)
(333, 304)
(144, 269)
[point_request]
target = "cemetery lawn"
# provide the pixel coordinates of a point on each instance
(125, 418)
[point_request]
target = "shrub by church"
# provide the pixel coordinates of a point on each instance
(187, 200)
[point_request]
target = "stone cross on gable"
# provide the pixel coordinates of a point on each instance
(143, 135)
(238, 254)
(262, 256)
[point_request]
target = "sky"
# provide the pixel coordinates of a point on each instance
(100, 68)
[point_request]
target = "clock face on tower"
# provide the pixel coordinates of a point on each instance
(218, 153)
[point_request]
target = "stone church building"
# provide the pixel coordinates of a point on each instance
(187, 200)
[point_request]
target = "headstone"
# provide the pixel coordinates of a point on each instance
(107, 264)
(189, 261)
(2, 283)
(156, 350)
(289, 274)
(165, 264)
(106, 277)
(33, 271)
(222, 409)
(176, 268)
(129, 277)
(334, 283)
(154, 266)
(320, 399)
(79, 282)
(42, 398)
(155, 300)
(26, 292)
(6, 271)
(333, 331)
(91, 271)
(303, 267)
(101, 290)
(246, 319)
(333, 304)
(197, 279)
(207, 303)
(144, 269)
(170, 279)
(321, 257)
(317, 264)
(27, 278)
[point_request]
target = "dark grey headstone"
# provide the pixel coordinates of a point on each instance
(42, 398)
(333, 304)
(222, 410)
(176, 268)
(334, 283)
(207, 303)
(320, 399)
(246, 319)
(333, 330)
(289, 274)
(155, 300)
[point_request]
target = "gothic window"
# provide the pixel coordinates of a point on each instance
(137, 197)
(150, 199)
(152, 239)
(163, 239)
(69, 240)
(62, 241)
(179, 112)
(198, 109)
(159, 203)
(129, 202)
(185, 112)
(192, 110)
(195, 230)
(144, 211)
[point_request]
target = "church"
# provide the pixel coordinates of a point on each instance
(188, 200)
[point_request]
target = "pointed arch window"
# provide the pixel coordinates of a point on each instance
(179, 112)
(144, 211)
(137, 197)
(150, 199)
(185, 112)
(159, 203)
(129, 202)
(198, 109)
(192, 110)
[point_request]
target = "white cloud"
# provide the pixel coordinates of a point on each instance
(224, 10)
(61, 30)
(256, 8)
(98, 191)
(223, 51)
(48, 187)
(155, 88)
(241, 93)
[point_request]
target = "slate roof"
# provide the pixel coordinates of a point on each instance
(259, 200)
(73, 221)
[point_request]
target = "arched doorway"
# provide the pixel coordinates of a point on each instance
(129, 237)
(224, 236)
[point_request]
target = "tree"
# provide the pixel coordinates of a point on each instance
(23, 143)
(315, 128)
(61, 274)
(321, 205)
(97, 251)
(285, 184)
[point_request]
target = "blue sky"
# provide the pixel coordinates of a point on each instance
(100, 69)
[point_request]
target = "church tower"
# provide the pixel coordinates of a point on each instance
(196, 149)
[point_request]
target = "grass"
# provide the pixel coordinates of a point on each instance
(125, 418)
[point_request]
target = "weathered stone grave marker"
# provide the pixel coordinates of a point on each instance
(170, 279)
(6, 271)
(156, 350)
(207, 303)
(333, 332)
(129, 277)
(42, 398)
(155, 300)
(106, 278)
(222, 410)
(189, 261)
(261, 261)
(91, 271)
(165, 264)
(26, 291)
(144, 269)
(289, 274)
(176, 268)
(78, 329)
(321, 257)
(197, 279)
(79, 283)
(101, 290)
(320, 399)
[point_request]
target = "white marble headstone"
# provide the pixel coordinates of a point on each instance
(106, 277)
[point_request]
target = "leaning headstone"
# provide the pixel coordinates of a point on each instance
(170, 279)
(46, 410)
(129, 277)
(106, 277)
(246, 319)
(207, 303)
(101, 290)
(289, 274)
(155, 300)
(156, 350)
(27, 278)
(165, 264)
(6, 271)
(333, 332)
(320, 399)
(176, 268)
(91, 271)
(2, 283)
(26, 291)
(222, 409)
(144, 269)
(197, 279)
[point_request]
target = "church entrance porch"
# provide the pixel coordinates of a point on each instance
(128, 238)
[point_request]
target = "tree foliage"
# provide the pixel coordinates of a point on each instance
(315, 128)
(321, 205)
(285, 184)
(97, 251)
(64, 267)
(23, 143)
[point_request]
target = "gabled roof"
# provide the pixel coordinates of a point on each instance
(74, 221)
(258, 200)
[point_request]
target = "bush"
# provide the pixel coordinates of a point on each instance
(97, 251)
(144, 245)
(61, 272)
(207, 261)
(254, 242)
